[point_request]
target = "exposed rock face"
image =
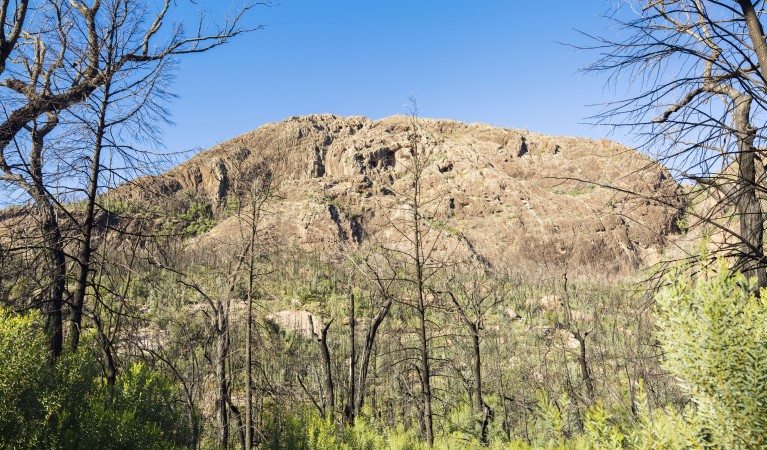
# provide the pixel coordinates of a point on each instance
(508, 198)
(298, 321)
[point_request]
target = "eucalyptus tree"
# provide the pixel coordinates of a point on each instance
(698, 75)
(474, 296)
(408, 263)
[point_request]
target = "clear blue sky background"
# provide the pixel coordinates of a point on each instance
(494, 61)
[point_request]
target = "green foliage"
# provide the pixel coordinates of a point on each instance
(307, 430)
(602, 429)
(197, 219)
(233, 206)
(554, 418)
(24, 376)
(67, 405)
(714, 335)
(139, 411)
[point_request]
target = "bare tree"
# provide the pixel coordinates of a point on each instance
(373, 266)
(56, 55)
(255, 236)
(328, 399)
(580, 335)
(352, 379)
(699, 69)
(61, 42)
(473, 296)
(415, 258)
(51, 234)
(130, 101)
(214, 274)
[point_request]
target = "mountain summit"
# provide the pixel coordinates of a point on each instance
(509, 197)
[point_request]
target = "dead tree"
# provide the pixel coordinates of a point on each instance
(62, 40)
(216, 292)
(699, 108)
(258, 194)
(473, 297)
(415, 260)
(328, 399)
(56, 55)
(580, 335)
(352, 391)
(51, 234)
(373, 266)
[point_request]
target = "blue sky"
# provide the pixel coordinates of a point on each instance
(494, 61)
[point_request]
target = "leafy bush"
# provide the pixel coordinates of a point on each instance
(25, 383)
(67, 405)
(714, 338)
(197, 219)
(714, 335)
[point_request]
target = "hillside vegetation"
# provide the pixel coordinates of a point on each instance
(331, 282)
(521, 348)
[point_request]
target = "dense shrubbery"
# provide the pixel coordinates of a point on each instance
(713, 334)
(307, 430)
(69, 406)
(714, 337)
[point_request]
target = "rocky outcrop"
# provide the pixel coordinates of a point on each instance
(504, 197)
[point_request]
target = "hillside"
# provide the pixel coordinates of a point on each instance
(508, 197)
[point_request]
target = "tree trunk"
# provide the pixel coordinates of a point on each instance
(425, 373)
(238, 417)
(222, 390)
(249, 345)
(583, 362)
(249, 380)
(84, 255)
(479, 403)
(366, 354)
(56, 264)
(52, 239)
(756, 33)
(328, 401)
(751, 221)
(751, 261)
(110, 367)
(349, 408)
(418, 259)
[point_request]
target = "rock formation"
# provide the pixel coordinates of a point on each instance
(506, 198)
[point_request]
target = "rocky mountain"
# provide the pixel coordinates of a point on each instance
(503, 197)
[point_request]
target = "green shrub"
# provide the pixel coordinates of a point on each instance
(67, 405)
(197, 219)
(714, 336)
(26, 402)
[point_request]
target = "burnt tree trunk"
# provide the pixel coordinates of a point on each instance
(55, 257)
(749, 208)
(479, 403)
(425, 371)
(742, 192)
(583, 362)
(222, 389)
(328, 400)
(367, 351)
(84, 255)
(349, 408)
